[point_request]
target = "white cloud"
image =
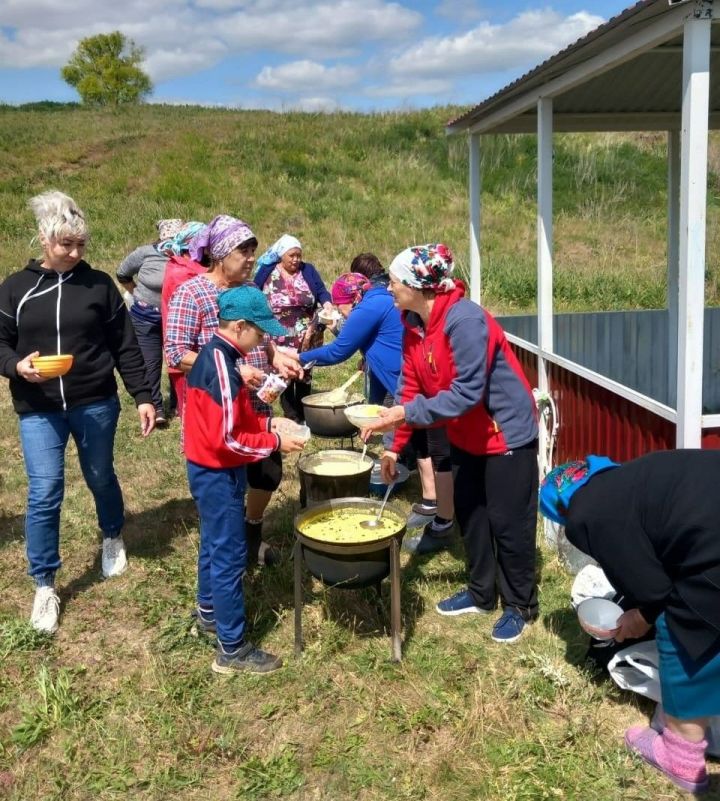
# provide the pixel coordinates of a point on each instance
(298, 76)
(315, 104)
(410, 88)
(327, 29)
(530, 37)
(460, 10)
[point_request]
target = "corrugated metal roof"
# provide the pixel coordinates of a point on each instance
(648, 85)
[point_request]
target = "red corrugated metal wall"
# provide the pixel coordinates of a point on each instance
(595, 420)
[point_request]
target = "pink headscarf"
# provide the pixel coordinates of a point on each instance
(349, 288)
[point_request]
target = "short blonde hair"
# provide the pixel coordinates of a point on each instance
(58, 215)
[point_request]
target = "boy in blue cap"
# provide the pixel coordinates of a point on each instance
(222, 434)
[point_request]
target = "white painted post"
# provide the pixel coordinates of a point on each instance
(693, 177)
(545, 235)
(545, 273)
(673, 258)
(475, 212)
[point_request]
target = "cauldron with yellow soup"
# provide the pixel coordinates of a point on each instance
(338, 550)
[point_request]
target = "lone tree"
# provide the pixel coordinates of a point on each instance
(105, 70)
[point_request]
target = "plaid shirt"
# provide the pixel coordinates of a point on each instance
(192, 319)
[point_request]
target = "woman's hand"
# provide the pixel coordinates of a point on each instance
(286, 363)
(25, 369)
(328, 307)
(631, 626)
(389, 419)
(290, 444)
(146, 411)
(251, 376)
(388, 467)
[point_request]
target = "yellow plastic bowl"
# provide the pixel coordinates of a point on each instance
(52, 366)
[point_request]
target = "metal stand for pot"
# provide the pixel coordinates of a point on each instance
(395, 622)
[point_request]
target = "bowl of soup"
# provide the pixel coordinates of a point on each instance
(331, 474)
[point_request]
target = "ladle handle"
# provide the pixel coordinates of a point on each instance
(384, 501)
(354, 377)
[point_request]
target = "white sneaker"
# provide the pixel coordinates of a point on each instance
(114, 558)
(45, 611)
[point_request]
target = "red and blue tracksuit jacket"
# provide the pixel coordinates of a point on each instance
(220, 427)
(459, 371)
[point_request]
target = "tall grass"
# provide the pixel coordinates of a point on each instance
(349, 182)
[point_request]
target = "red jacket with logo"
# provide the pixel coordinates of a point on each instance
(220, 427)
(460, 372)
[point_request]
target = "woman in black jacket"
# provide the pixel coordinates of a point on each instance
(60, 305)
(653, 525)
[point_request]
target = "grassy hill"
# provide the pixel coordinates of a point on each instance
(344, 183)
(121, 703)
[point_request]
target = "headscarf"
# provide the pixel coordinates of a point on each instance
(425, 267)
(179, 243)
(561, 483)
(219, 238)
(349, 288)
(277, 250)
(168, 228)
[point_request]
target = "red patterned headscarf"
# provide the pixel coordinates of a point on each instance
(425, 267)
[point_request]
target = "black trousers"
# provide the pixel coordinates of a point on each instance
(291, 400)
(496, 509)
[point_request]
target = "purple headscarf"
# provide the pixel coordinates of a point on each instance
(220, 237)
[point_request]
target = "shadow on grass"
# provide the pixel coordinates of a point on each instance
(365, 612)
(147, 534)
(12, 529)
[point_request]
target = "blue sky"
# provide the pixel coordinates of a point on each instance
(365, 55)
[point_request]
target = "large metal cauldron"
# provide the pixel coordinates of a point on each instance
(327, 419)
(351, 565)
(351, 479)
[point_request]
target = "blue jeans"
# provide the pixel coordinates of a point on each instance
(44, 437)
(219, 494)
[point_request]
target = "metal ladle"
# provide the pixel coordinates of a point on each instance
(377, 522)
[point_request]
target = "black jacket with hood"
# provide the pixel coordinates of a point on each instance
(79, 312)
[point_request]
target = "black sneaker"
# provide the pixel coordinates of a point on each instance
(426, 509)
(430, 541)
(267, 555)
(160, 420)
(246, 659)
(202, 628)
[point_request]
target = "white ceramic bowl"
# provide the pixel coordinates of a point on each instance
(598, 617)
(363, 414)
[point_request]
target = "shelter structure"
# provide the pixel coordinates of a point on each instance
(648, 69)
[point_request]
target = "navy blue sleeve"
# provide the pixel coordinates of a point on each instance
(261, 276)
(356, 334)
(468, 338)
(315, 282)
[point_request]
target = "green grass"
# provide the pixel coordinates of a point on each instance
(121, 703)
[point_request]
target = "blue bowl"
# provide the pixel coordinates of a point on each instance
(377, 487)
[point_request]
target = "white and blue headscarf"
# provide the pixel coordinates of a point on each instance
(277, 250)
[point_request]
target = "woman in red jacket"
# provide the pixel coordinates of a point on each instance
(459, 372)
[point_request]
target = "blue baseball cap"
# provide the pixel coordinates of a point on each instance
(561, 483)
(248, 303)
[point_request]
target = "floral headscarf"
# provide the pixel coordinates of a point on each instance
(168, 228)
(349, 288)
(561, 483)
(180, 242)
(425, 267)
(277, 250)
(219, 238)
